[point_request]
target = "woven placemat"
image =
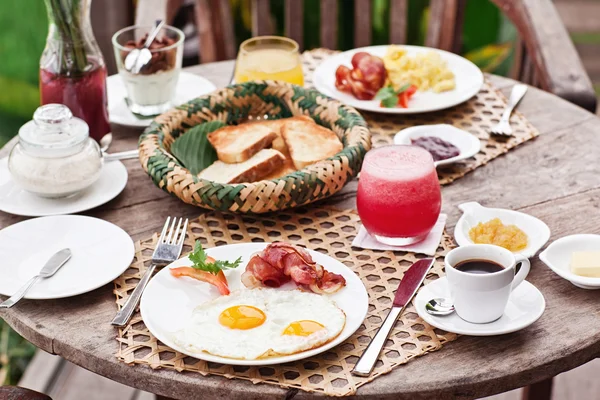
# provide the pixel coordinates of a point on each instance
(323, 229)
(476, 116)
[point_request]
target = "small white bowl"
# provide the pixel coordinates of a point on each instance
(557, 257)
(467, 143)
(537, 232)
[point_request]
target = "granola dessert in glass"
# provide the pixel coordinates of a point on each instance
(151, 91)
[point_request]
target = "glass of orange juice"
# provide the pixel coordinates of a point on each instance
(269, 57)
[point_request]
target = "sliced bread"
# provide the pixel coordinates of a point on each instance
(286, 168)
(237, 143)
(262, 164)
(308, 142)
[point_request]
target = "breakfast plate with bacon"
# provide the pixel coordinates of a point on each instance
(398, 79)
(254, 303)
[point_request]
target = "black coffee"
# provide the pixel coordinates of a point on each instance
(478, 266)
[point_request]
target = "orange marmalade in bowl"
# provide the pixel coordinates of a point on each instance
(495, 232)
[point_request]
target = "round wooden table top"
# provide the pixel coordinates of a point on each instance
(555, 177)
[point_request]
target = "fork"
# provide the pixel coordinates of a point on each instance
(168, 249)
(503, 127)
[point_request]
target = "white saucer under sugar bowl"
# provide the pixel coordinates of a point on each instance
(55, 157)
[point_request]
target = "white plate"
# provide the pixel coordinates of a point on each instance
(537, 231)
(101, 252)
(168, 302)
(525, 306)
(467, 143)
(469, 80)
(557, 257)
(189, 87)
(15, 200)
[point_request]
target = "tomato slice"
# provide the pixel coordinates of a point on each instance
(410, 91)
(403, 100)
(219, 280)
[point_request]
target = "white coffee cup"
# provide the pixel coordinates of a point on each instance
(482, 297)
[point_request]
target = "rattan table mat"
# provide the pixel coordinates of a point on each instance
(476, 116)
(323, 229)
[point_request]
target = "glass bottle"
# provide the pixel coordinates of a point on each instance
(72, 70)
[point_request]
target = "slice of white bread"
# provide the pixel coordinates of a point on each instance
(286, 168)
(262, 164)
(279, 143)
(309, 142)
(237, 143)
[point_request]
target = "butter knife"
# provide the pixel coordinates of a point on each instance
(52, 265)
(410, 283)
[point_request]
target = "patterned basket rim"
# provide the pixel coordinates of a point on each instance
(153, 142)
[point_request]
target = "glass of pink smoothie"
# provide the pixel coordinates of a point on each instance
(399, 197)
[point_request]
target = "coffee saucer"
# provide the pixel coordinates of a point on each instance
(525, 306)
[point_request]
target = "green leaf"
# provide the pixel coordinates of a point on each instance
(384, 93)
(403, 88)
(390, 102)
(198, 257)
(193, 149)
(489, 57)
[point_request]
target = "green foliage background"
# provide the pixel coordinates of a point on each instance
(488, 39)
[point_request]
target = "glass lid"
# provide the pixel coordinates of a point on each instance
(53, 130)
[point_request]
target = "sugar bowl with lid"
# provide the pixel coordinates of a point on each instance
(55, 157)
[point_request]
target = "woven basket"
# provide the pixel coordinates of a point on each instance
(235, 104)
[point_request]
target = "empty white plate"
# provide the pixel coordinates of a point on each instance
(469, 80)
(100, 251)
(16, 200)
(525, 306)
(168, 302)
(537, 231)
(189, 87)
(467, 144)
(557, 257)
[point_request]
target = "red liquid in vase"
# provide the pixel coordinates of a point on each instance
(84, 94)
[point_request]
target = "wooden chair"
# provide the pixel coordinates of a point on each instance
(545, 58)
(19, 393)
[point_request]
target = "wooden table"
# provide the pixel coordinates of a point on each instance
(555, 177)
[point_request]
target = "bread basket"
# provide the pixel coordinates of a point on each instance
(235, 104)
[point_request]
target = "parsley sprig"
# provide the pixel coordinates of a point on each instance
(389, 96)
(198, 257)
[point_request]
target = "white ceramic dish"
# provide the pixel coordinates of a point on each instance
(469, 80)
(467, 143)
(189, 87)
(101, 252)
(557, 257)
(537, 232)
(15, 200)
(168, 302)
(525, 306)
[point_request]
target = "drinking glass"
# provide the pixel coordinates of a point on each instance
(151, 91)
(269, 57)
(399, 197)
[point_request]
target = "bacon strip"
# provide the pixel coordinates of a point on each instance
(280, 262)
(367, 76)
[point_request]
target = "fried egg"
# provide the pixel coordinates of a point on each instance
(259, 323)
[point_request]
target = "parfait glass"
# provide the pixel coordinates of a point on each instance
(399, 197)
(152, 91)
(72, 70)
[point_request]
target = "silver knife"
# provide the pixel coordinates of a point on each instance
(52, 265)
(410, 283)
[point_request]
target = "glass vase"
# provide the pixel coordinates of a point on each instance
(72, 69)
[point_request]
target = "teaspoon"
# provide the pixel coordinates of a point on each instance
(105, 142)
(138, 58)
(439, 307)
